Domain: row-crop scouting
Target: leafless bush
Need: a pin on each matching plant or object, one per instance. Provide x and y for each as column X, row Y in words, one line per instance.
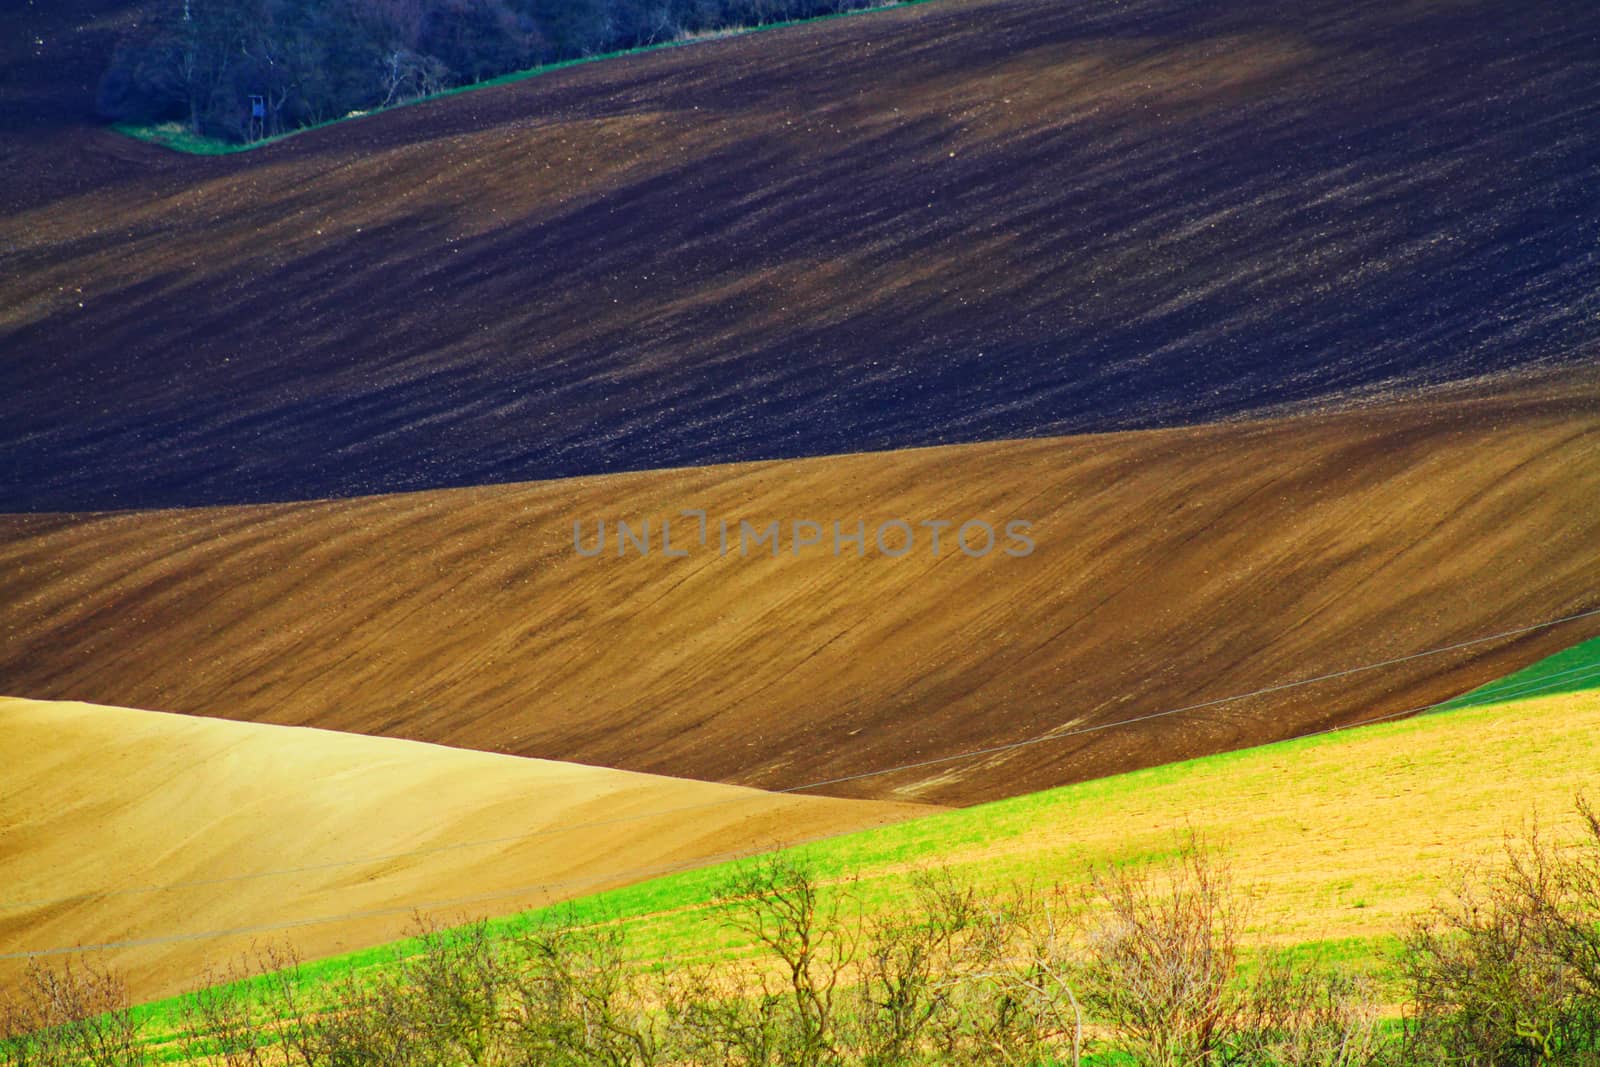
column 1144, row 966
column 786, row 912
column 715, row 1017
column 1004, row 977
column 580, row 1002
column 1162, row 957
column 1508, row 971
column 904, row 992
column 457, row 988
column 1160, row 973
column 292, row 1016
column 373, row 1026
column 1298, row 1015
column 77, row 1015
column 954, row 977
column 447, row 1003
column 227, row 1023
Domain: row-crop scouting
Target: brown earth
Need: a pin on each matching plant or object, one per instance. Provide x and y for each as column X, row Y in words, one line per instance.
column 1172, row 567
column 951, row 222
column 146, row 831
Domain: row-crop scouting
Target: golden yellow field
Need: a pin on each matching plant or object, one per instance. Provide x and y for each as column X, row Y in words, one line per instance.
column 1340, row 837
column 143, row 830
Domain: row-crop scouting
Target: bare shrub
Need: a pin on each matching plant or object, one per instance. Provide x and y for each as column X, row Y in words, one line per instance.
column 1508, row 970
column 445, row 1004
column 1006, row 982
column 783, row 909
column 714, row 1017
column 580, row 1002
column 292, row 1015
column 1296, row 1015
column 1144, row 964
column 1162, row 957
column 952, row 978
column 77, row 1015
column 903, row 989
column 373, row 1025
column 1160, row 974
column 225, row 1023
column 456, row 989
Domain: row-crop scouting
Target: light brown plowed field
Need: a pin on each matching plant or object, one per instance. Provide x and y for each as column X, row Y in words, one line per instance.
column 100, row 804
column 1171, row 567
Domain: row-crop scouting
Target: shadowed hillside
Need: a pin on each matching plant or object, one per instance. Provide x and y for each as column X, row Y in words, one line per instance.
column 51, row 57
column 1171, row 567
column 946, row 223
column 128, row 826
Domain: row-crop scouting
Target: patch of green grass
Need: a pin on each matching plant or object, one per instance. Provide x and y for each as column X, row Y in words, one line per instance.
column 1574, row 671
column 180, row 138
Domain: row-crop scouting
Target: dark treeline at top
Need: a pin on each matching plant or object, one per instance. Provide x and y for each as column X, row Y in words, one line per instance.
column 200, row 61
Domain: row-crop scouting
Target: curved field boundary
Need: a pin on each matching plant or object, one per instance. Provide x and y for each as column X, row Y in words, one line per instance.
column 1337, row 837
column 102, row 802
column 1171, row 568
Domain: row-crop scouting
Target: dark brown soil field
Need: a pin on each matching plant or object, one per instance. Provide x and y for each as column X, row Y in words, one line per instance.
column 948, row 223
column 1172, row 567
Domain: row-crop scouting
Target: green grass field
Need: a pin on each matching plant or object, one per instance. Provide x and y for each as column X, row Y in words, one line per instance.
column 1336, row 838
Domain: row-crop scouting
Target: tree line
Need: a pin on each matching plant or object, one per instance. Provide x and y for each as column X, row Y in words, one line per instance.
column 201, row 62
column 1142, row 967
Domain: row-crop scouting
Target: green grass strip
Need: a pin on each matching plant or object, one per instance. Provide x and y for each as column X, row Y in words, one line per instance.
column 1574, row 671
